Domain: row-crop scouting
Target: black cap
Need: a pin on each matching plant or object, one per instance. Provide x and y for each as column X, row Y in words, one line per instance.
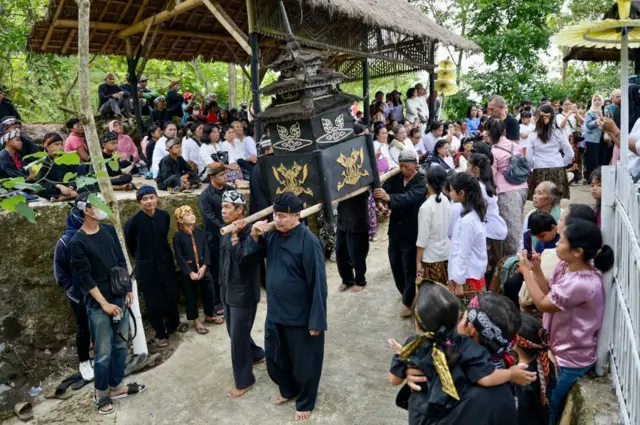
column 287, row 202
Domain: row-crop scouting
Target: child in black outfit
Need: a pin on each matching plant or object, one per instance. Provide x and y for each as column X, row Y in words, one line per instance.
column 454, row 363
column 532, row 348
column 174, row 173
column 192, row 254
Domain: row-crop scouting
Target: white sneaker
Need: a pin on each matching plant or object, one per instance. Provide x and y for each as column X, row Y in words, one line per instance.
column 86, row 370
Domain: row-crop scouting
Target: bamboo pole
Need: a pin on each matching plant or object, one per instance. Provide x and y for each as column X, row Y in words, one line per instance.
column 308, row 211
column 225, row 20
column 159, row 18
column 47, row 37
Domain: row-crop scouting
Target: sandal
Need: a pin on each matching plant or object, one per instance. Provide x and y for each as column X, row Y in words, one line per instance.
column 183, row 327
column 24, row 411
column 161, row 343
column 175, row 190
column 103, row 403
column 218, row 320
column 132, row 389
column 202, row 330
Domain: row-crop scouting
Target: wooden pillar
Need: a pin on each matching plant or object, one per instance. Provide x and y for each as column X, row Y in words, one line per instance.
column 432, row 81
column 365, row 92
column 132, row 78
column 255, row 80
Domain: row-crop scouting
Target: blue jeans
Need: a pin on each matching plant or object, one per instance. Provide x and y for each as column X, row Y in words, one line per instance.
column 566, row 378
column 110, row 351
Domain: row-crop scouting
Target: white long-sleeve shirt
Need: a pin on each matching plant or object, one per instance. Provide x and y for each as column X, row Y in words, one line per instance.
column 383, row 148
column 547, row 155
column 159, row 152
column 468, row 253
column 233, row 151
column 411, row 109
column 456, row 209
column 191, row 152
column 395, row 152
column 434, row 219
column 496, row 226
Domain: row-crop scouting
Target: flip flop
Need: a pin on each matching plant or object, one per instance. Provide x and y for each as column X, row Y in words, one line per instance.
column 24, row 411
column 60, row 394
column 183, row 327
column 79, row 384
column 132, row 389
column 202, row 330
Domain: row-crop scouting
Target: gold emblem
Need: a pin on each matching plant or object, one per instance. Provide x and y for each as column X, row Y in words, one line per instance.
column 288, row 178
column 352, row 165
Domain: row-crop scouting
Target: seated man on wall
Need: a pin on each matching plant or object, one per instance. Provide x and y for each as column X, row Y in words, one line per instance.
column 120, row 176
column 174, row 174
column 10, row 158
column 113, row 99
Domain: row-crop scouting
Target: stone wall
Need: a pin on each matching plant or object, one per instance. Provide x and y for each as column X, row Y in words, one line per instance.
column 34, row 312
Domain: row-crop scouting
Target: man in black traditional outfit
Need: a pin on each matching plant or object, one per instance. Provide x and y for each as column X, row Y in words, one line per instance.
column 296, row 303
column 352, row 242
column 404, row 194
column 146, row 234
column 210, row 204
column 240, row 292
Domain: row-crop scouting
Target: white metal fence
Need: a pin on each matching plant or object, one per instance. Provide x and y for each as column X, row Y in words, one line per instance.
column 620, row 336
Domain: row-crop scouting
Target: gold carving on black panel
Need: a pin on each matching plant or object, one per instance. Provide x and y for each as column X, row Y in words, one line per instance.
column 289, row 181
column 352, row 166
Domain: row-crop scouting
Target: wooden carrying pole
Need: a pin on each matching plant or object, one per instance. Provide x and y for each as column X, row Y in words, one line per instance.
column 308, row 211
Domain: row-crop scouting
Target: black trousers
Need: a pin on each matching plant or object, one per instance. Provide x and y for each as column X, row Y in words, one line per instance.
column 591, row 159
column 121, row 179
column 294, row 362
column 244, row 351
column 83, row 336
column 191, row 289
column 161, row 301
column 215, row 276
column 171, row 181
column 402, row 258
column 351, row 256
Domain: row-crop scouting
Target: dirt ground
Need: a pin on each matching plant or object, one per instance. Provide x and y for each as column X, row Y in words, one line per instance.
column 190, row 387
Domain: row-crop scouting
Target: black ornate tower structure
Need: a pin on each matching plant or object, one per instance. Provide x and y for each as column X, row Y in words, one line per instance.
column 316, row 154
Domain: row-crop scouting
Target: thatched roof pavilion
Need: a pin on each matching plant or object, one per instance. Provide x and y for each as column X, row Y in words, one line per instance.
column 391, row 31
column 363, row 39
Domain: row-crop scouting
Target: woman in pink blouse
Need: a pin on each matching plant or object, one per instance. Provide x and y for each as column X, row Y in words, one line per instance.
column 573, row 302
column 126, row 147
column 511, row 197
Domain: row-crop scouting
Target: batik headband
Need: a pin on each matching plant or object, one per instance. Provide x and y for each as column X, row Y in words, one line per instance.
column 234, row 197
column 486, row 327
column 13, row 134
column 543, row 361
column 438, row 356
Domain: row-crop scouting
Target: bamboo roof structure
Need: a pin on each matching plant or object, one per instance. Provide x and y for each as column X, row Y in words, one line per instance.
column 394, row 34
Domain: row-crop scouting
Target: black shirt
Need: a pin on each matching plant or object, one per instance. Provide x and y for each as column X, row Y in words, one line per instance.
column 258, row 196
column 8, row 110
column 530, row 408
column 106, row 92
column 513, row 128
column 353, row 214
column 173, row 167
column 186, row 256
column 405, row 203
column 52, row 174
column 160, row 117
column 210, row 204
column 92, row 258
column 147, row 241
column 239, row 273
column 8, row 168
column 148, row 152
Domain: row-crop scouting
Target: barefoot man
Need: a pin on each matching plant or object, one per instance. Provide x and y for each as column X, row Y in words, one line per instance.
column 240, row 292
column 296, row 304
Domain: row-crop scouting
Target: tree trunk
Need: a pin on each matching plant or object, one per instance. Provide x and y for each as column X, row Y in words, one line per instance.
column 232, row 86
column 91, row 134
column 196, row 67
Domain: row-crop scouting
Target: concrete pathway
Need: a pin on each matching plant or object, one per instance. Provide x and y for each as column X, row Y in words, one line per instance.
column 190, row 387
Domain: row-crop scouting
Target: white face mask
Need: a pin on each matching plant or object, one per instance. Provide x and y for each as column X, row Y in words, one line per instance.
column 100, row 215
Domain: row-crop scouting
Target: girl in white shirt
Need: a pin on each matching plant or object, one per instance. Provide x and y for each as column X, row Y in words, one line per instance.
column 544, row 156
column 496, row 228
column 400, row 142
column 234, row 173
column 468, row 252
column 191, row 146
column 169, row 131
column 434, row 219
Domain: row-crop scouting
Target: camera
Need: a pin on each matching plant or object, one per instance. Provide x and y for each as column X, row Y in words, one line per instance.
column 474, row 136
column 222, row 157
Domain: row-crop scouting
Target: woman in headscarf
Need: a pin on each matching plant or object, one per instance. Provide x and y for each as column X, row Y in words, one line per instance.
column 126, row 147
column 592, row 135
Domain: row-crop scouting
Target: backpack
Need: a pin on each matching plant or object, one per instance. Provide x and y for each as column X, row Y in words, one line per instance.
column 518, row 171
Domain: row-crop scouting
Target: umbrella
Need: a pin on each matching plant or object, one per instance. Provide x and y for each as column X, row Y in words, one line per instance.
column 445, row 74
column 446, row 87
column 609, row 33
column 446, row 65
